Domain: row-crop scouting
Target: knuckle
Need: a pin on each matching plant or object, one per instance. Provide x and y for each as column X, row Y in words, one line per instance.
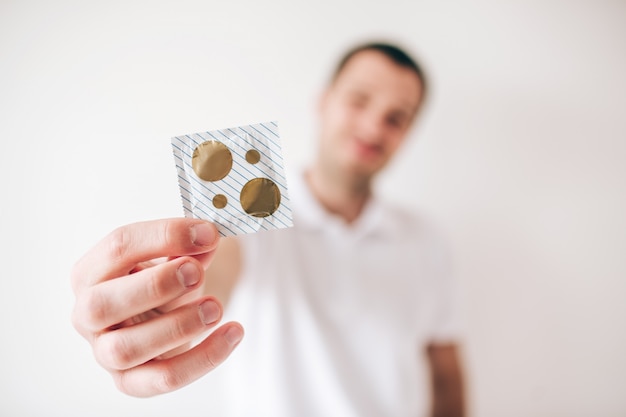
column 180, row 329
column 156, row 286
column 90, row 310
column 113, row 352
column 119, row 242
column 169, row 233
column 175, row 235
column 125, row 383
column 168, row 380
column 121, row 382
column 210, row 360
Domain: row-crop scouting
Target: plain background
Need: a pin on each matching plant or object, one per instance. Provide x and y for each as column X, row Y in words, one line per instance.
column 519, row 156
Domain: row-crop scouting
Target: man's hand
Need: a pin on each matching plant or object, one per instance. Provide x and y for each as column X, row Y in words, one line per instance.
column 139, row 304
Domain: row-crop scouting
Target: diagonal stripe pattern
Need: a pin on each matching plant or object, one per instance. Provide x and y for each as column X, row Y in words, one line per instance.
column 198, row 195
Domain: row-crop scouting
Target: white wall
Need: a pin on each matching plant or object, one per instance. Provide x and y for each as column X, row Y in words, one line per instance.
column 520, row 156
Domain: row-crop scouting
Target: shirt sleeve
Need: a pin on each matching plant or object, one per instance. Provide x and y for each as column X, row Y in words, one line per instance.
column 445, row 325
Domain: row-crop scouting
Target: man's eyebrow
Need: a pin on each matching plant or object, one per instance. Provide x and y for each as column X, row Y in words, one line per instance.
column 357, row 92
column 358, row 88
column 361, row 89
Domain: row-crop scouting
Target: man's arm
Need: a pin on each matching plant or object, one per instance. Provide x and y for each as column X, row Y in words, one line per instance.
column 446, row 380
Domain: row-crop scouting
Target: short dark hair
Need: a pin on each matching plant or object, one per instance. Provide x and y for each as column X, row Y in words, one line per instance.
column 393, row 52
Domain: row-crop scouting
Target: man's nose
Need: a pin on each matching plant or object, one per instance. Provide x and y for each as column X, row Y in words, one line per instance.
column 372, row 127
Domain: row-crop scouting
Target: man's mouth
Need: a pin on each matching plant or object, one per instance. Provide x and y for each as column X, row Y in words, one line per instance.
column 367, row 150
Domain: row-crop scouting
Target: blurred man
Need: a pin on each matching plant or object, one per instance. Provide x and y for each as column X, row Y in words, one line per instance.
column 345, row 313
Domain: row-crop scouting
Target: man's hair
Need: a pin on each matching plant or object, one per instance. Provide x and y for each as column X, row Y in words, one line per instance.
column 393, row 52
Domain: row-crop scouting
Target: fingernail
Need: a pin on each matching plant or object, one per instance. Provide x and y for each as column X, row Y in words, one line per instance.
column 209, row 312
column 203, row 234
column 188, row 274
column 233, row 335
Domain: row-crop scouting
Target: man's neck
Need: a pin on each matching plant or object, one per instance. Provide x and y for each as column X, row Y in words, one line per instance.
column 344, row 196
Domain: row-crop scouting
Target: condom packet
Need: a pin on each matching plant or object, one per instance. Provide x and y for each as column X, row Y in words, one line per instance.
column 234, row 177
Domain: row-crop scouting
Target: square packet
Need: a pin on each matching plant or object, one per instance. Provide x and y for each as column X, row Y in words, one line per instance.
column 235, row 178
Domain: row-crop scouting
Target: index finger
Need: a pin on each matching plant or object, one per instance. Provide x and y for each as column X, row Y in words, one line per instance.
column 120, row 251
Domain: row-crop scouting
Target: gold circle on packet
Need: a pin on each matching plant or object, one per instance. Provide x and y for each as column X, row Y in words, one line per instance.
column 211, row 160
column 220, row 201
column 253, row 156
column 260, row 197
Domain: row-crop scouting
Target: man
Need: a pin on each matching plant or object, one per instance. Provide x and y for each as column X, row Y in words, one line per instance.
column 340, row 311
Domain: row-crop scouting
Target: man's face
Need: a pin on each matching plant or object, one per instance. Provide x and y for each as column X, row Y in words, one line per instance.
column 366, row 113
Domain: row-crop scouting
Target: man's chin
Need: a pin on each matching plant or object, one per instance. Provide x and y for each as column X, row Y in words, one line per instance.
column 362, row 169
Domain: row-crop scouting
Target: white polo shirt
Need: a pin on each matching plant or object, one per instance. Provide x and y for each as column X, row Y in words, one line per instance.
column 337, row 315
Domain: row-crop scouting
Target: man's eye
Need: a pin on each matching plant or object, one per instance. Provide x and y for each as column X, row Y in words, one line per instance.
column 395, row 121
column 357, row 101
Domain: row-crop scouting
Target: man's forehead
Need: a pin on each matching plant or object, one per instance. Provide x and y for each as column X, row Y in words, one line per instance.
column 374, row 71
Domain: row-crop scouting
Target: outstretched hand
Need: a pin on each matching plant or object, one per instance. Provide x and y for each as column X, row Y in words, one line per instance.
column 139, row 303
